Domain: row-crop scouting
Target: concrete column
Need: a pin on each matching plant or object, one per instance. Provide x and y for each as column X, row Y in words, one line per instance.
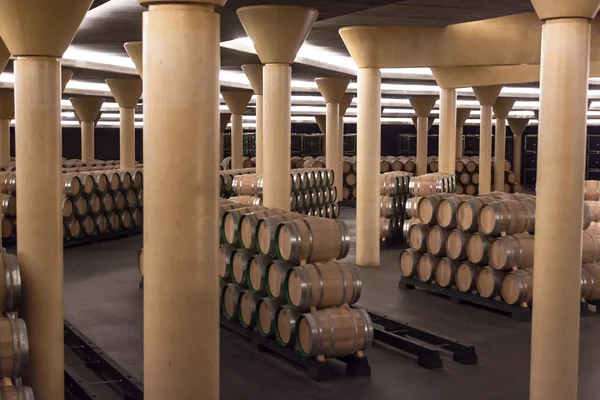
column 333, row 90
column 565, row 59
column 136, row 53
column 87, row 110
column 368, row 153
column 277, row 33
column 502, row 107
column 344, row 105
column 422, row 106
column 254, row 73
column 126, row 92
column 462, row 114
column 486, row 95
column 65, row 77
column 237, row 103
column 37, row 33
column 447, row 135
column 224, row 121
column 7, row 112
column 517, row 126
column 181, row 101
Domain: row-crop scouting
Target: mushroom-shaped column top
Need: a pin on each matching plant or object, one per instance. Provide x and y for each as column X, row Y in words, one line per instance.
column 345, row 103
column 135, row 52
column 487, row 95
column 422, row 104
column 7, row 103
column 321, row 122
column 40, row 27
column 65, row 77
column 460, row 77
column 4, row 55
column 254, row 73
column 237, row 101
column 552, row 9
column 518, row 125
column 148, row 3
column 126, row 91
column 225, row 118
column 332, row 89
column 277, row 31
column 462, row 114
column 87, row 108
column 503, row 105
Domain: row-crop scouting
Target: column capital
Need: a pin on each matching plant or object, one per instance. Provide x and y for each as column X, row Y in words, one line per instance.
column 225, row 118
column 237, row 101
column 126, row 91
column 430, row 121
column 462, row 114
column 345, row 103
column 135, row 52
column 518, row 125
column 332, row 89
column 554, row 9
column 277, row 31
column 422, row 104
column 65, row 77
column 487, row 95
column 321, row 122
column 7, row 103
column 503, row 105
column 87, row 108
column 254, row 73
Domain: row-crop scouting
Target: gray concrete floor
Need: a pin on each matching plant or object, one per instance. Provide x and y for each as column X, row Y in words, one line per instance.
column 102, row 299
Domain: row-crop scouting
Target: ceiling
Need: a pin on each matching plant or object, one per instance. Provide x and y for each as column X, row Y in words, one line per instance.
column 109, row 24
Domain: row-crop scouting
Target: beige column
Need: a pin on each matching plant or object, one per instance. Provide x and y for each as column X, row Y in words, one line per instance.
column 462, row 114
column 277, row 33
column 126, row 92
column 501, row 107
column 517, row 126
column 181, row 86
column 447, row 135
column 368, row 154
column 332, row 90
column 344, row 105
column 87, row 110
column 237, row 102
column 224, row 121
column 37, row 33
column 486, row 95
column 565, row 59
column 7, row 112
column 136, row 53
column 254, row 73
column 65, row 77
column 422, row 106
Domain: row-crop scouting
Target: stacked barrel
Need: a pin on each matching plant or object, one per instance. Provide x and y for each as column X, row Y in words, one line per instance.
column 98, row 199
column 394, row 195
column 312, row 191
column 280, row 275
column 484, row 245
column 467, row 176
column 14, row 343
column 247, row 163
column 226, row 180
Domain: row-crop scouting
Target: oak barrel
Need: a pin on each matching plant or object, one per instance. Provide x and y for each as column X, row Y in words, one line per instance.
column 14, row 347
column 8, row 203
column 467, row 214
column 230, row 296
column 71, row 184
column 247, row 308
column 447, row 209
column 445, row 272
column 287, row 317
column 87, row 183
column 266, row 309
column 409, row 260
column 72, row 228
column 227, row 254
column 257, row 273
column 80, row 206
column 67, row 207
column 508, row 216
column 10, row 289
column 427, row 208
column 88, row 226
column 456, row 245
column 466, row 276
column 247, row 226
column 417, row 237
column 426, row 267
column 517, row 286
column 114, row 221
column 590, row 282
column 108, row 202
column 240, row 265
column 436, row 241
column 266, row 229
column 489, row 282
column 230, row 223
column 94, row 203
column 511, row 251
column 478, row 248
column 276, row 273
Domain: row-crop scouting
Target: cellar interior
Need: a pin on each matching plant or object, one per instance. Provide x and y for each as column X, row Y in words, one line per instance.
column 219, row 199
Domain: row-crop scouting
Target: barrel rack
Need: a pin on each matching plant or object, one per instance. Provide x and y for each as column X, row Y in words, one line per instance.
column 315, row 369
column 90, row 374
column 92, row 239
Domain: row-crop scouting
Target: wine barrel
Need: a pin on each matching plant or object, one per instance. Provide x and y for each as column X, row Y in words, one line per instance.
column 592, row 190
column 384, row 166
column 475, row 178
column 126, row 220
column 71, row 184
column 101, row 223
column 80, row 206
column 456, row 245
column 266, row 229
column 517, row 286
column 108, row 202
column 141, row 261
column 460, row 189
column 248, row 185
column 477, row 248
column 67, row 207
column 137, row 178
column 587, row 215
column 16, row 393
column 467, row 214
column 411, row 206
column 126, row 180
column 447, row 209
column 137, row 218
column 276, row 273
column 511, row 251
column 226, row 205
column 8, row 203
column 385, row 228
column 87, row 183
column 227, row 253
column 266, row 309
column 230, row 297
column 10, row 289
column 470, row 190
column 427, row 208
column 509, row 216
column 247, row 308
column 119, row 201
column 9, row 183
column 436, row 241
column 88, row 226
column 445, row 272
column 130, row 199
column 230, row 223
column 247, row 200
column 409, row 260
column 257, row 273
column 417, row 237
column 426, row 267
column 94, row 203
column 8, row 227
column 287, row 317
column 114, row 180
column 334, row 332
column 239, row 267
column 322, row 285
column 350, row 179
column 14, row 347
column 590, row 247
column 409, row 164
column 72, row 227
column 489, row 282
column 466, row 276
column 313, row 163
column 114, row 221
column 464, row 178
column 590, row 282
column 312, row 239
column 459, row 166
